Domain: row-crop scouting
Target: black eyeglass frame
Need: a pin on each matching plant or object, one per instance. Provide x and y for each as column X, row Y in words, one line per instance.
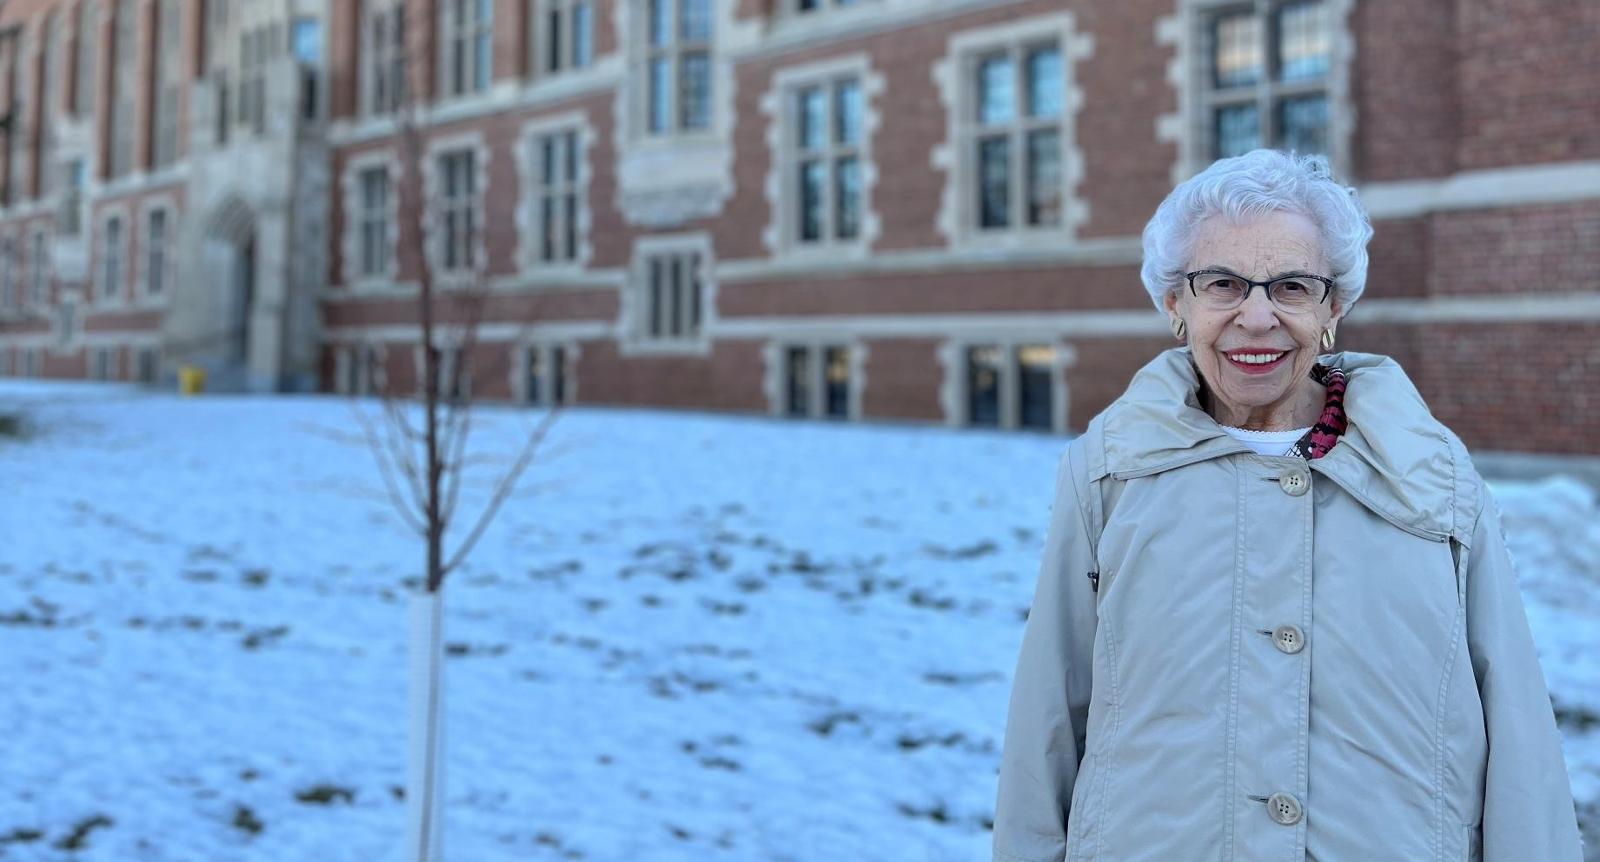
column 1327, row 283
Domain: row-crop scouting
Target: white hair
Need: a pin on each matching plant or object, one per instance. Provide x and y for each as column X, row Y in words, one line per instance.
column 1248, row 187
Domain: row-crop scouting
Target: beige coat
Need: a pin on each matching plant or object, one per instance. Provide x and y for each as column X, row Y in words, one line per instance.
column 1284, row 660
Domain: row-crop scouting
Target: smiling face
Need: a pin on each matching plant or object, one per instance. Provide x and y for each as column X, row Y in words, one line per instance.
column 1256, row 359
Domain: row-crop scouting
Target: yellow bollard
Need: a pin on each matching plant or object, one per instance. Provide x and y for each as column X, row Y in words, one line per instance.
column 191, row 380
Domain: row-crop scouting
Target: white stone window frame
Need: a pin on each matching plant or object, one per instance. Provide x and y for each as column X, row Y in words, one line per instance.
column 775, row 382
column 367, row 361
column 112, row 295
column 471, row 37
column 538, row 30
column 529, row 168
column 1188, row 33
column 674, row 51
column 169, row 279
column 354, row 218
column 954, row 396
column 40, row 266
column 433, row 222
column 953, row 77
column 382, row 61
column 633, row 335
column 546, row 348
column 451, row 352
column 781, row 235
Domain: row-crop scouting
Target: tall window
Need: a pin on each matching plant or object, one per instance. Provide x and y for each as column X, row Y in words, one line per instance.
column 457, row 225
column 123, row 60
column 9, row 295
column 561, row 34
column 17, row 138
column 1266, row 81
column 103, row 363
column 465, row 39
column 38, row 267
column 49, row 105
column 557, row 196
column 69, row 220
column 157, row 247
column 1015, row 139
column 111, row 259
column 672, row 296
column 255, row 50
column 85, row 46
column 168, row 51
column 816, row 381
column 374, row 238
column 678, row 66
column 384, row 33
column 1010, row 386
column 826, row 175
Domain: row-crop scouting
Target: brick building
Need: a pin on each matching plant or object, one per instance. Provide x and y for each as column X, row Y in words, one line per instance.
column 899, row 209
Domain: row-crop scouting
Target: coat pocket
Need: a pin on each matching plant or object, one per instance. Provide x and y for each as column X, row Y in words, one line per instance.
column 1081, row 812
column 1472, row 843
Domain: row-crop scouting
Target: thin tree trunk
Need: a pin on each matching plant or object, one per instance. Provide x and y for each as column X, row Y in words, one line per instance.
column 425, row 776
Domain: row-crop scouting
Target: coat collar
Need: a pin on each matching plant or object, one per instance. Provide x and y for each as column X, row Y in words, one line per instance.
column 1395, row 457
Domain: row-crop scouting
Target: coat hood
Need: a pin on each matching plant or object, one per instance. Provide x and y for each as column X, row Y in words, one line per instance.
column 1394, row 457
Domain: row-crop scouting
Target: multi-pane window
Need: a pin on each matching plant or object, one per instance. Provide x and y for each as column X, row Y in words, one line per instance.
column 38, row 267
column 49, row 104
column 1266, row 80
column 103, row 363
column 255, row 49
column 678, row 66
column 362, row 367
column 9, row 295
column 1015, row 140
column 827, row 147
column 803, row 6
column 157, row 246
column 561, row 33
column 545, row 375
column 458, row 229
column 1010, row 386
column 557, row 196
column 374, row 238
column 85, row 46
column 69, row 220
column 465, row 28
column 168, row 51
column 32, row 362
column 148, row 365
column 816, row 381
column 672, row 296
column 111, row 249
column 123, row 85
column 384, row 32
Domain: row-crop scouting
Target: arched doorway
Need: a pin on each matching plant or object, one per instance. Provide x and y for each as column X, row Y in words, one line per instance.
column 230, row 270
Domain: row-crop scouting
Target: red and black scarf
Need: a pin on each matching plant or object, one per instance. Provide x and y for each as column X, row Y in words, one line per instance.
column 1325, row 434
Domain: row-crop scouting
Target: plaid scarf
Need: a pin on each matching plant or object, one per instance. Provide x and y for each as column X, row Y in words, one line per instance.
column 1325, row 434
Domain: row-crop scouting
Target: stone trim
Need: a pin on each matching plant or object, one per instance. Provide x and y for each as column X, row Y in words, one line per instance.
column 528, row 236
column 952, row 78
column 488, row 333
column 775, row 379
column 953, row 394
column 475, row 141
column 517, row 375
column 350, row 275
column 1562, row 182
column 167, row 204
column 779, row 236
column 630, row 335
column 119, row 297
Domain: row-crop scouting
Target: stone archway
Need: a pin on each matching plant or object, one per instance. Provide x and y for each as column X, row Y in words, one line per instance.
column 230, row 268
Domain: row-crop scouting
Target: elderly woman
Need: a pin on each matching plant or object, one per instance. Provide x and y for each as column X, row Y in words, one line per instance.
column 1276, row 618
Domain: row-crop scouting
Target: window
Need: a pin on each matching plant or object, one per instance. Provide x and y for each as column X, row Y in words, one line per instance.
column 455, row 374
column 254, row 52
column 803, row 6
column 457, row 223
column 147, row 365
column 465, row 38
column 678, row 66
column 49, row 102
column 84, row 52
column 361, row 370
column 672, row 296
column 10, row 297
column 111, row 259
column 826, row 148
column 385, row 67
column 168, row 50
column 103, row 363
column 123, row 60
column 157, row 252
column 32, row 362
column 17, row 152
column 66, row 323
column 816, row 381
column 557, row 197
column 1015, row 141
column 544, row 375
column 1010, row 386
column 1266, row 78
column 38, row 267
column 375, row 239
column 561, row 35
column 69, row 221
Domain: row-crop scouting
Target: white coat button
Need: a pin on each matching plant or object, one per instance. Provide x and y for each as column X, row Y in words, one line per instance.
column 1285, row 809
column 1294, row 482
column 1289, row 639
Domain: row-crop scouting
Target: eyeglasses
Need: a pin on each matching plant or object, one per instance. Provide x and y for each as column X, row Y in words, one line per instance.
column 1222, row 290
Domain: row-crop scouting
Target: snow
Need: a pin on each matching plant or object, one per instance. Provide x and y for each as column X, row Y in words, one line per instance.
column 690, row 637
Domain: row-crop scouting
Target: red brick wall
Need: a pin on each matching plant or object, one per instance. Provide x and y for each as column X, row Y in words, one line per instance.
column 519, row 308
column 1550, row 248
column 903, row 377
column 1405, row 91
column 1058, row 289
column 730, row 379
column 1101, row 371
